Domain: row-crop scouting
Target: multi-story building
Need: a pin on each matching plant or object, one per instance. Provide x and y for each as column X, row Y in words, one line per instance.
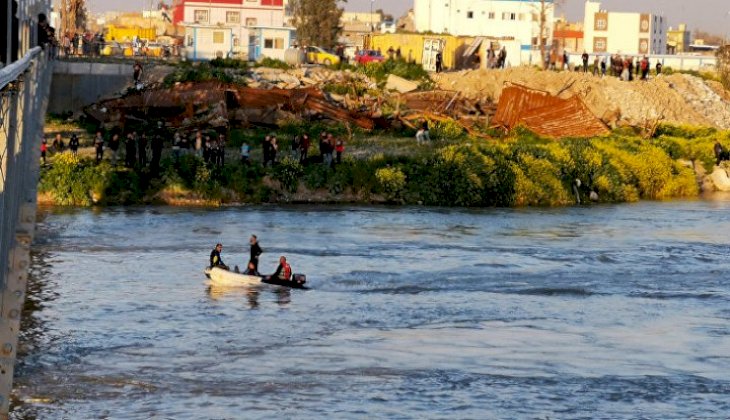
column 519, row 20
column 623, row 33
column 241, row 28
column 678, row 40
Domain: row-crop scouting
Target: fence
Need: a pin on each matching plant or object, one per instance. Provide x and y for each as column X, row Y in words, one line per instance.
column 24, row 87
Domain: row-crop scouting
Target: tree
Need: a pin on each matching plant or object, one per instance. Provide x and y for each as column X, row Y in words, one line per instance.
column 723, row 65
column 542, row 11
column 317, row 21
column 73, row 16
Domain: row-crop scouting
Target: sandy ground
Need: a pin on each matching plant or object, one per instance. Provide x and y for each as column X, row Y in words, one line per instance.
column 677, row 98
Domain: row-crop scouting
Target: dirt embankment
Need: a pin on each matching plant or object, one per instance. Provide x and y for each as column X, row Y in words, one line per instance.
column 676, row 99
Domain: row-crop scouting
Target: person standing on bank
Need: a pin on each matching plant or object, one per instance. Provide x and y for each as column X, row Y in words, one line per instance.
column 99, row 147
column 73, row 144
column 114, row 147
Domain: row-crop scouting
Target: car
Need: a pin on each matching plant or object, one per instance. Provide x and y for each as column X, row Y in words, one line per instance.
column 317, row 55
column 369, row 56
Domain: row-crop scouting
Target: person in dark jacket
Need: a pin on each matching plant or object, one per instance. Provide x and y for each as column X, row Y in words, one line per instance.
column 256, row 252
column 719, row 152
column 73, row 144
column 215, row 257
column 131, row 150
column 99, row 146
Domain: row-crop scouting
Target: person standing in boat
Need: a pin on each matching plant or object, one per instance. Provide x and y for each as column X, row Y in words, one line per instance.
column 256, row 252
column 215, row 258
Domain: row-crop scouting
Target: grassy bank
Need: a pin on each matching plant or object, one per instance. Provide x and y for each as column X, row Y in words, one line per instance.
column 454, row 170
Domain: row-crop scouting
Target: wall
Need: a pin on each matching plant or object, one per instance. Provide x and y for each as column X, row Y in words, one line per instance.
column 675, row 62
column 264, row 15
column 76, row 85
column 204, row 46
column 494, row 18
column 284, row 36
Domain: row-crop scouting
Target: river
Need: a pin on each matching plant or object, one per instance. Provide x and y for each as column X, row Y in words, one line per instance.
column 588, row 312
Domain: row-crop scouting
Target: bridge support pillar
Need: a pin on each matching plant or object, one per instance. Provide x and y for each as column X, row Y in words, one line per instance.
column 13, row 298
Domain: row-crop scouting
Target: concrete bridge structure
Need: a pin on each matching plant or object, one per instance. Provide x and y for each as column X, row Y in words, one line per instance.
column 24, row 84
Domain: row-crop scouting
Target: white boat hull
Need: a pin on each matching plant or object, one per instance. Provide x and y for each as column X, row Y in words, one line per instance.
column 220, row 277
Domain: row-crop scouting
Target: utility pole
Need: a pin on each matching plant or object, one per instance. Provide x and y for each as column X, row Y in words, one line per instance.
column 371, row 15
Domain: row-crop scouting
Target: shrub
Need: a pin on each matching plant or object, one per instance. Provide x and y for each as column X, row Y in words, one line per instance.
column 288, row 172
column 392, row 182
column 273, row 63
column 448, row 130
column 229, row 63
column 401, row 68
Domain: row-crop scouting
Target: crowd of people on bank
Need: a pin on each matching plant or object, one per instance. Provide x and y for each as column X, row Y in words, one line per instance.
column 626, row 68
column 140, row 149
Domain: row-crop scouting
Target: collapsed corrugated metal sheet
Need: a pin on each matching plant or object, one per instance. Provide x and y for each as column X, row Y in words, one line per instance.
column 569, row 118
column 259, row 105
column 545, row 114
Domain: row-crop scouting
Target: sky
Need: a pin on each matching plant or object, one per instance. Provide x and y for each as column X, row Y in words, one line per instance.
column 708, row 15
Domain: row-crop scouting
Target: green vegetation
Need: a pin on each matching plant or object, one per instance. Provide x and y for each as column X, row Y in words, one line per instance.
column 379, row 72
column 204, row 72
column 455, row 170
column 273, row 63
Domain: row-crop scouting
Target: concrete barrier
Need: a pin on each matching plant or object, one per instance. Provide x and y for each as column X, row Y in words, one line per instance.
column 79, row 84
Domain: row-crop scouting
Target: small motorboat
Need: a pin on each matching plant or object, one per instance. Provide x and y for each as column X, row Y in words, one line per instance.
column 226, row 278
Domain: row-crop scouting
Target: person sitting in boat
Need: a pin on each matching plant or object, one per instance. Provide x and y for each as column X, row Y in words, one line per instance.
column 283, row 271
column 251, row 270
column 215, row 258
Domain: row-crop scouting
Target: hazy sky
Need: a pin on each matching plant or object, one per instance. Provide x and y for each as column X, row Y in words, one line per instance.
column 710, row 15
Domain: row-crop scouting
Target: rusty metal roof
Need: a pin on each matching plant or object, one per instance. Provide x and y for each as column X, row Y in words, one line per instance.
column 546, row 115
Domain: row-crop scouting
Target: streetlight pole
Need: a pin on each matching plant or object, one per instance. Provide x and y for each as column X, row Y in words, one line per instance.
column 371, row 15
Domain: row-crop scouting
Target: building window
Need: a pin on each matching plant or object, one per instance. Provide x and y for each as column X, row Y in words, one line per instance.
column 200, row 16
column 601, row 24
column 505, row 15
column 470, row 15
column 512, row 16
column 269, row 43
column 491, row 15
column 535, row 17
column 217, row 37
column 279, row 43
column 522, row 16
column 191, row 41
column 236, row 42
column 251, row 22
column 233, row 17
column 600, row 45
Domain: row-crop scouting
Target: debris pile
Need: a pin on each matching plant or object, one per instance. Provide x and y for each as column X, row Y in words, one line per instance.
column 216, row 104
column 676, row 98
column 552, row 104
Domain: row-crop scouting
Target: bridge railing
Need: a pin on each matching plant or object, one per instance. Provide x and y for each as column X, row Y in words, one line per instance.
column 24, row 87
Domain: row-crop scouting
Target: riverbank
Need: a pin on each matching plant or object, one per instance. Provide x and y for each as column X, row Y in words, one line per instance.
column 453, row 169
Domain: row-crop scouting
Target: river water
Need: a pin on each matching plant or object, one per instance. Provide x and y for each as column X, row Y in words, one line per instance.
column 591, row 312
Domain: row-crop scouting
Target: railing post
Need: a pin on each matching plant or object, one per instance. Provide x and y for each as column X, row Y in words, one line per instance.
column 22, row 110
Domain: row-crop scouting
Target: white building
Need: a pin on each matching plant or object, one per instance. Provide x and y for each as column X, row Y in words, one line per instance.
column 249, row 28
column 623, row 33
column 518, row 19
column 206, row 42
